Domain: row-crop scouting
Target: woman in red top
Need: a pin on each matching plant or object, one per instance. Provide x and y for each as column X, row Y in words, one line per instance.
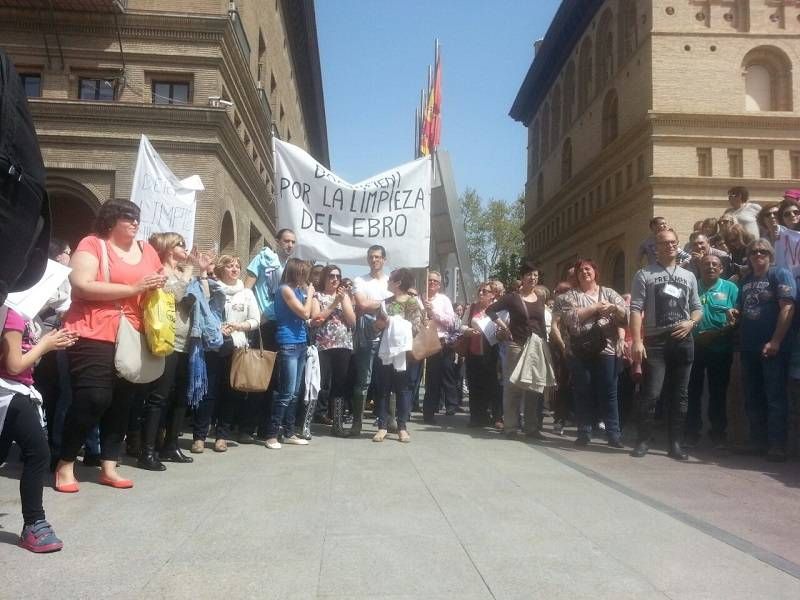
column 484, row 387
column 99, row 396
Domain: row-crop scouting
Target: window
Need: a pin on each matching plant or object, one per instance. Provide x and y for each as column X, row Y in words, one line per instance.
column 628, row 176
column 618, row 271
column 272, row 83
column 704, row 162
column 555, row 124
column 794, row 161
column 32, row 84
column 766, row 163
column 605, row 50
column 618, row 183
column 170, row 92
column 96, row 89
column 585, row 75
column 640, row 168
column 540, row 190
column 610, row 122
column 735, row 162
column 566, row 161
column 545, row 131
column 569, row 97
column 767, row 80
column 607, row 191
column 627, row 32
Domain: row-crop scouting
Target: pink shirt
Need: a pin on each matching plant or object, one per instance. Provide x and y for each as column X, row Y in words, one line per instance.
column 443, row 314
column 16, row 322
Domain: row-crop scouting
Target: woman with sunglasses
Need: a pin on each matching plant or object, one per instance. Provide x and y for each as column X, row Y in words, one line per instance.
column 98, row 394
column 789, row 215
column 485, row 391
column 166, row 401
column 743, row 211
column 769, row 221
column 766, row 303
column 332, row 320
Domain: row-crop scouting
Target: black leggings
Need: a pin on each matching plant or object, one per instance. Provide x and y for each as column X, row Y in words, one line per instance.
column 98, row 396
column 333, row 366
column 24, row 426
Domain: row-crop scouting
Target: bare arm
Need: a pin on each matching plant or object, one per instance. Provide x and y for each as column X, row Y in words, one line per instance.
column 555, row 333
column 85, row 286
column 637, row 347
column 347, row 311
column 11, row 348
column 302, row 310
column 365, row 304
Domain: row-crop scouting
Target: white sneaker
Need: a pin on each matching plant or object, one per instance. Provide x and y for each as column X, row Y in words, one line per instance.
column 276, row 445
column 295, row 441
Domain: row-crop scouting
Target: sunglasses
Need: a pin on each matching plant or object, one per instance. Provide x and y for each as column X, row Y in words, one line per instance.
column 334, row 276
column 759, row 252
column 791, row 213
column 669, row 243
column 129, row 216
column 772, row 213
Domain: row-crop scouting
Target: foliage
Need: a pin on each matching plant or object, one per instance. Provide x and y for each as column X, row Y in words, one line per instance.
column 494, row 235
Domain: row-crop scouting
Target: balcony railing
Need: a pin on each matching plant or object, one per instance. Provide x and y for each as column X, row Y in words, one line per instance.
column 262, row 96
column 238, row 29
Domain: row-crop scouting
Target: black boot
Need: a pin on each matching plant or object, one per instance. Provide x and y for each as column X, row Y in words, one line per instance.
column 170, row 451
column 677, row 452
column 358, row 410
column 133, row 443
column 151, row 421
column 337, row 427
column 641, row 449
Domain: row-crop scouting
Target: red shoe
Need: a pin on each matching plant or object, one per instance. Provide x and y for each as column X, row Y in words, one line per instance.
column 120, row 484
column 67, row 488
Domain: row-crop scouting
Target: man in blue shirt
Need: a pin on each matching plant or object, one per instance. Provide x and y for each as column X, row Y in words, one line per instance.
column 713, row 351
column 264, row 276
column 766, row 303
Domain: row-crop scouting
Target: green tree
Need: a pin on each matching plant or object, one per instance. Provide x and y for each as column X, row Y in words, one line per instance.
column 494, row 235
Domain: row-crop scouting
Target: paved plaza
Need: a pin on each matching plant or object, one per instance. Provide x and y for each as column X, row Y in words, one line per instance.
column 458, row 513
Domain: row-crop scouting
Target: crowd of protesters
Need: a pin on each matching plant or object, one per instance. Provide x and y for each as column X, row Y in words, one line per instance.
column 583, row 351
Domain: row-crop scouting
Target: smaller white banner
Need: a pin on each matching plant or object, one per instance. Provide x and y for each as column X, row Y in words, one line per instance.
column 29, row 302
column 167, row 203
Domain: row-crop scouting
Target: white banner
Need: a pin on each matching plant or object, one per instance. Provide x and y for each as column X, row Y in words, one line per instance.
column 167, row 203
column 787, row 248
column 336, row 221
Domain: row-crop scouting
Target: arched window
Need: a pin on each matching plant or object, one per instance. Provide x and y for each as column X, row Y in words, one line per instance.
column 585, row 75
column 767, row 80
column 545, row 131
column 610, row 125
column 605, row 50
column 540, row 190
column 627, row 30
column 568, row 108
column 555, row 123
column 533, row 149
column 566, row 161
column 226, row 235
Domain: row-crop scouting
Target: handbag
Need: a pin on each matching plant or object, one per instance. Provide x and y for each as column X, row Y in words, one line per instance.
column 590, row 343
column 251, row 369
column 132, row 357
column 159, row 322
column 426, row 343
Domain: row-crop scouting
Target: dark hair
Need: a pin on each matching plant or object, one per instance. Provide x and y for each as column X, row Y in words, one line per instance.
column 57, row 246
column 323, row 278
column 761, row 219
column 587, row 261
column 111, row 212
column 376, row 247
column 785, row 203
column 526, row 268
column 739, row 190
column 280, row 233
column 295, row 272
column 654, row 219
column 403, row 277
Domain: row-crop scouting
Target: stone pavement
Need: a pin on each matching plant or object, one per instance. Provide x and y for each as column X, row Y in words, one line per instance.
column 458, row 513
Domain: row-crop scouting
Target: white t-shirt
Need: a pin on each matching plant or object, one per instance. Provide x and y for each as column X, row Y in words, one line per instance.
column 746, row 215
column 374, row 289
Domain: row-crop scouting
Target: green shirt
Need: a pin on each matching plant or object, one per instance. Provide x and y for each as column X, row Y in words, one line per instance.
column 717, row 301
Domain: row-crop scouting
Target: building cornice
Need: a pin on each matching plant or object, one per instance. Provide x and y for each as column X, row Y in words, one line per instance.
column 766, row 120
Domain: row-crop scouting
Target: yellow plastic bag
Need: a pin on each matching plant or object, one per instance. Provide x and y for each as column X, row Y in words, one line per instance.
column 159, row 322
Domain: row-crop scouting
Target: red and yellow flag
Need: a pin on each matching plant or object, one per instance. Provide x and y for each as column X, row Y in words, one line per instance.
column 431, row 128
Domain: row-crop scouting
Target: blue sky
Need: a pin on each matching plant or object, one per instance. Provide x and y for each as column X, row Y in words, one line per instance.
column 375, row 55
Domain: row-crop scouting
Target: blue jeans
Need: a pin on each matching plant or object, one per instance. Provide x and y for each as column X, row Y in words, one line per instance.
column 765, row 397
column 291, row 366
column 595, row 382
column 363, row 357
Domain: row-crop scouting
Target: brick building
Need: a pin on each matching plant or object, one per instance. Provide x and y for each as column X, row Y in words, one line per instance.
column 636, row 108
column 208, row 81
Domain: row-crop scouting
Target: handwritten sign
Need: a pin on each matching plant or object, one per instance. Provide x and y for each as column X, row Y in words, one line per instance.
column 787, row 248
column 336, row 221
column 166, row 203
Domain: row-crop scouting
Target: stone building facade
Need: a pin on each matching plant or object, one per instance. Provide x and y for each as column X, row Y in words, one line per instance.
column 208, row 81
column 637, row 108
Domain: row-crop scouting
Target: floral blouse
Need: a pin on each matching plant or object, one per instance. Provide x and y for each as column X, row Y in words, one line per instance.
column 410, row 310
column 334, row 332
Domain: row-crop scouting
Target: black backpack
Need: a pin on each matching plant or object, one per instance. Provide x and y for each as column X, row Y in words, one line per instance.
column 24, row 207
